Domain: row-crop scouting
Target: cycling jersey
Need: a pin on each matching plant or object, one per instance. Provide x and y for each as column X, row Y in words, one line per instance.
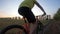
column 27, row 3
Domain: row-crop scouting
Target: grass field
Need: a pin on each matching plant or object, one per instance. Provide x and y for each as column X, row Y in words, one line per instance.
column 4, row 22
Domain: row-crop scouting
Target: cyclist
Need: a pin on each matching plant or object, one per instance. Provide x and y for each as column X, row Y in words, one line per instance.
column 25, row 10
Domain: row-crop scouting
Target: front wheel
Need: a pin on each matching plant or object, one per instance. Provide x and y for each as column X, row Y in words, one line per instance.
column 23, row 31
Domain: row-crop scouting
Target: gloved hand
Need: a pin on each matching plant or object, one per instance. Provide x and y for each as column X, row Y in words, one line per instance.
column 44, row 14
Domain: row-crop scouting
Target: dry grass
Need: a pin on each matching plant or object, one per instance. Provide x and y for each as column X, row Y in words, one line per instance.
column 4, row 22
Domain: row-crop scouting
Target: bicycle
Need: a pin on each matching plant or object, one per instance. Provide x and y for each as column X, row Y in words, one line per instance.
column 40, row 26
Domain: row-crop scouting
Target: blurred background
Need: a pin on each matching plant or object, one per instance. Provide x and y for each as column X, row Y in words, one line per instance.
column 9, row 12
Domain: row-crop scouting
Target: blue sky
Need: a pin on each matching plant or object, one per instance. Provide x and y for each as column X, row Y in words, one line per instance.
column 9, row 8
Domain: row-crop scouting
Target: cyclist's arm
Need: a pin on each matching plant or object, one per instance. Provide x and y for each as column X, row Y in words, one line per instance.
column 39, row 6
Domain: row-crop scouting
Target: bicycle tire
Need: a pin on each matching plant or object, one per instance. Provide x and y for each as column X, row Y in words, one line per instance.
column 11, row 27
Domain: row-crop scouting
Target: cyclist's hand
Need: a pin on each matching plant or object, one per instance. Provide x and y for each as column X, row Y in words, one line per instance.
column 44, row 14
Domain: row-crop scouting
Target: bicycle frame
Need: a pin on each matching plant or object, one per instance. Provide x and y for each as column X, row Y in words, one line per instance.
column 26, row 26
